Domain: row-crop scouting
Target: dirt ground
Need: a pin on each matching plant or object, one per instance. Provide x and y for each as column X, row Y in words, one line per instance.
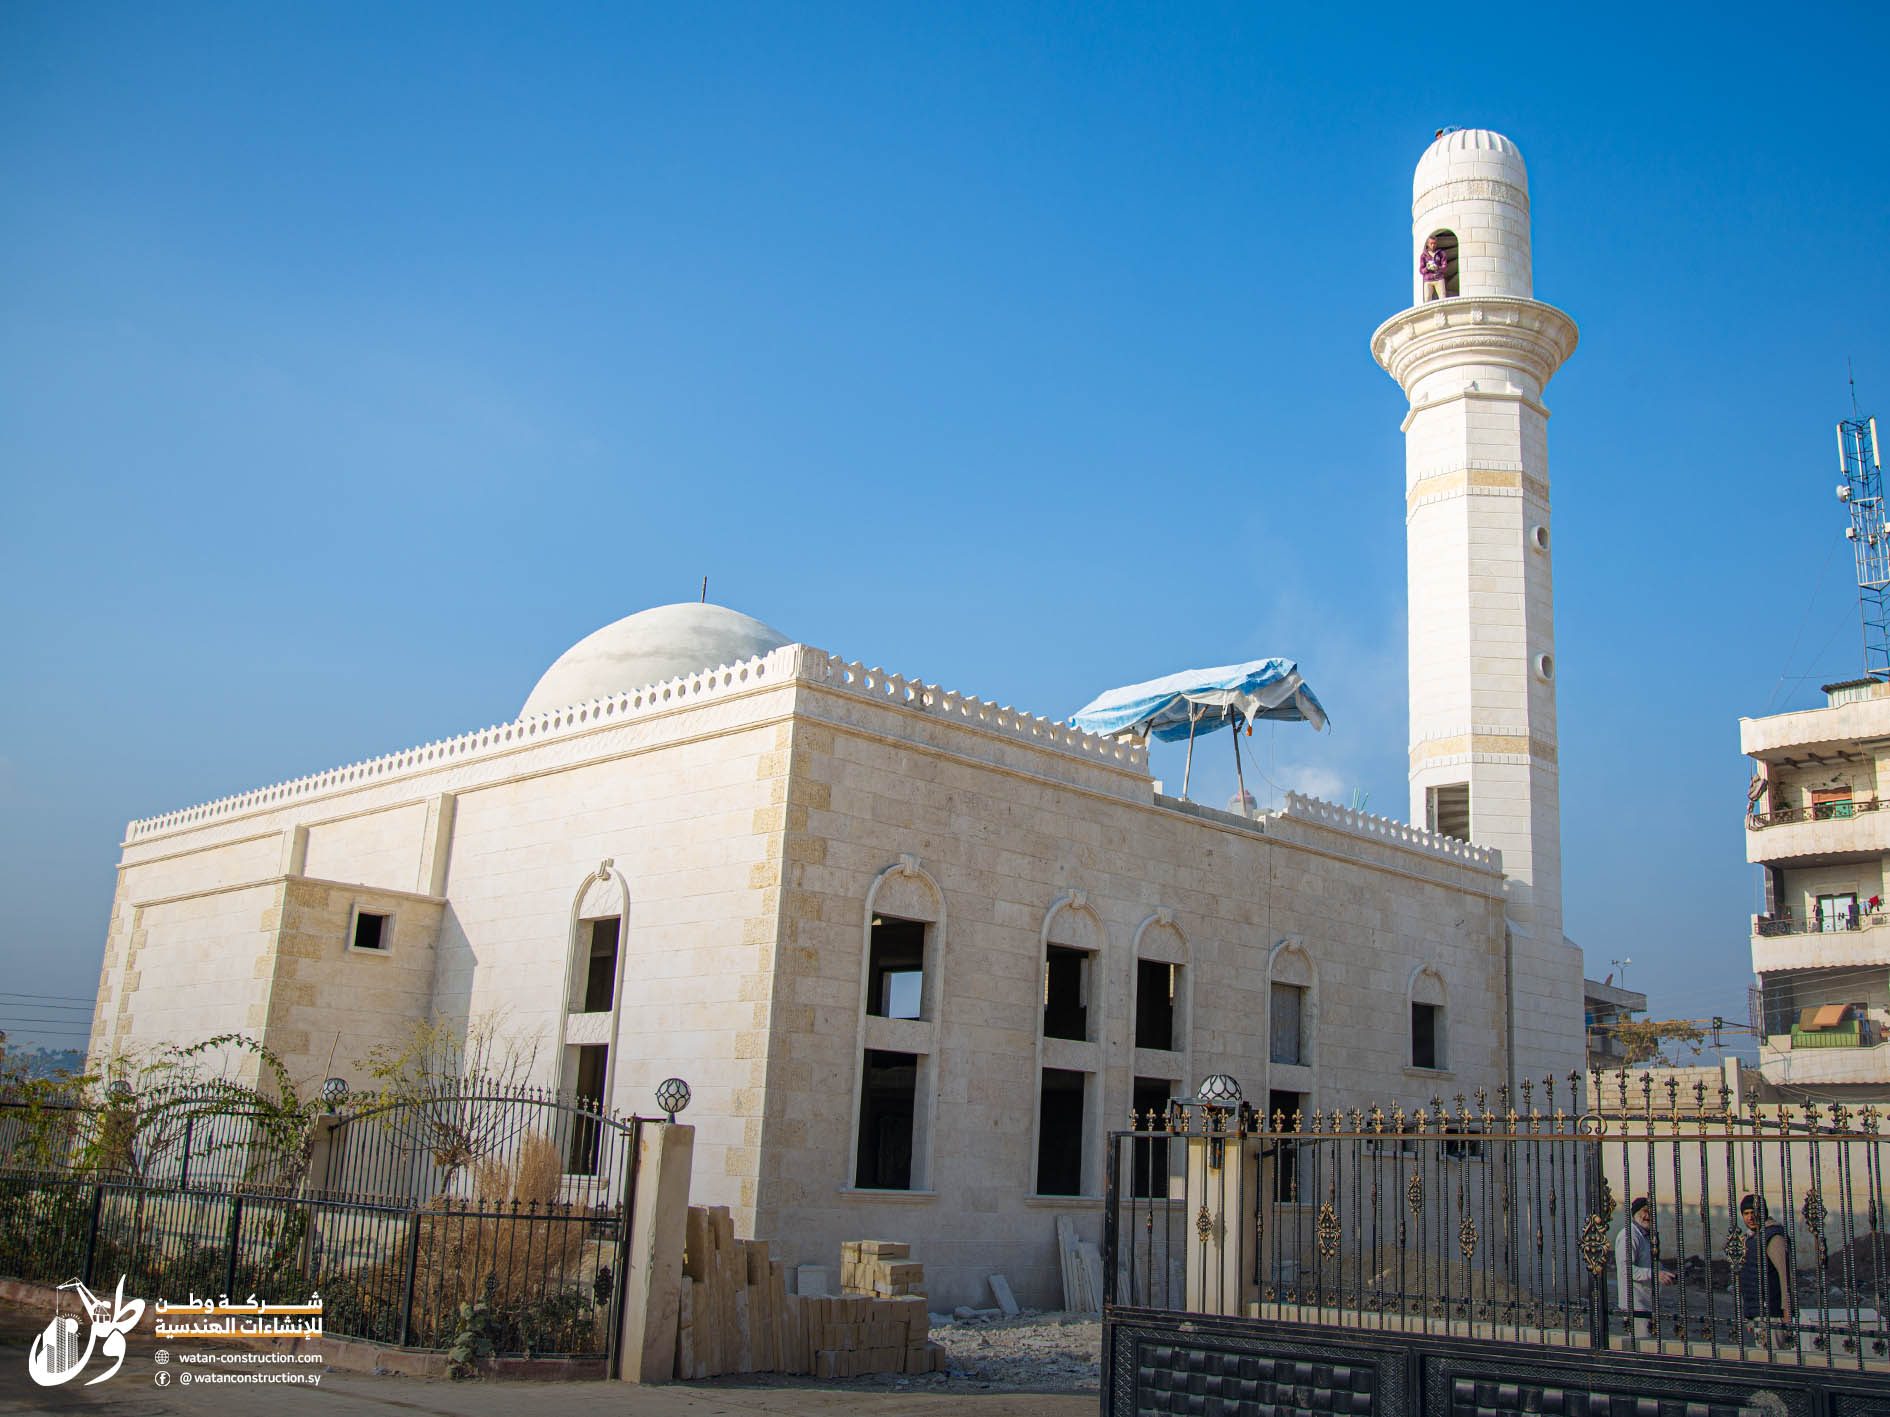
column 990, row 1363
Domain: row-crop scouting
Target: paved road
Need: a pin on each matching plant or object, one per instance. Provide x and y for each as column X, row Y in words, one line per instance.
column 136, row 1392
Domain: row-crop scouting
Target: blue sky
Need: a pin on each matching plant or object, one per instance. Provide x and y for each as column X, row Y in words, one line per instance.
column 359, row 358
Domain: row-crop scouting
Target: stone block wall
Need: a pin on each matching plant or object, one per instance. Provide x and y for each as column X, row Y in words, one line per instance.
column 328, row 1003
column 1011, row 856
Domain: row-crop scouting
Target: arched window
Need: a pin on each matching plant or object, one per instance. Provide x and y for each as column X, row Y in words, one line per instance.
column 900, row 1005
column 1447, row 247
column 594, row 963
column 1069, row 1049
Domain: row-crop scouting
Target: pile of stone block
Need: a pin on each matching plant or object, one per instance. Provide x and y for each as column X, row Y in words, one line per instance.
column 735, row 1315
column 884, row 1269
column 854, row 1335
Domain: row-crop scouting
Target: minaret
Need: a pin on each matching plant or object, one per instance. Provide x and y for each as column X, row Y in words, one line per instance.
column 1481, row 607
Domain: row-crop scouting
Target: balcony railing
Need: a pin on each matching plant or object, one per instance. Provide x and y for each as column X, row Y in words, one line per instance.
column 1812, row 812
column 1854, row 1034
column 1856, row 918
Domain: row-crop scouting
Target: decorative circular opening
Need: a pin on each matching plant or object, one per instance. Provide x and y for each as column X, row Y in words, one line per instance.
column 1545, row 667
column 1539, row 537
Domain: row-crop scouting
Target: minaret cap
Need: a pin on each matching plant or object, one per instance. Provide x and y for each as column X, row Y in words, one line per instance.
column 1469, row 154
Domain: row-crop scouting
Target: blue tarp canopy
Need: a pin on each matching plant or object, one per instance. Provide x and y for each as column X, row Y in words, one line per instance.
column 1206, row 698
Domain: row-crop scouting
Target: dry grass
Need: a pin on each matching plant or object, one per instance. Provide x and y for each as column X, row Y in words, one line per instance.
column 536, row 1248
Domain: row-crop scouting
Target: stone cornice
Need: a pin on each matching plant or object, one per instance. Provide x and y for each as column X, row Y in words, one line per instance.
column 1510, row 333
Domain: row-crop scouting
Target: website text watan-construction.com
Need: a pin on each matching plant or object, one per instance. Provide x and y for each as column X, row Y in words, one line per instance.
column 250, row 1358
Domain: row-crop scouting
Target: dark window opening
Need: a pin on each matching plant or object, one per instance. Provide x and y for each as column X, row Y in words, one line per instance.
column 1157, row 986
column 1427, row 1036
column 1065, row 994
column 895, row 979
column 581, row 1157
column 1284, row 1033
column 1447, row 244
column 370, row 931
column 889, row 1091
column 1282, row 1107
column 1457, row 1143
column 600, row 984
column 1148, row 1162
column 1448, row 808
column 1060, row 1133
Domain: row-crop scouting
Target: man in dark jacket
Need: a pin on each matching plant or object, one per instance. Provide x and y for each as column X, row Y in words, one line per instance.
column 1765, row 1271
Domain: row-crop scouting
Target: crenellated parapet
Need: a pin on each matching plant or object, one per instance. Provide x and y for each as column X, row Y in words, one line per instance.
column 785, row 666
column 1299, row 808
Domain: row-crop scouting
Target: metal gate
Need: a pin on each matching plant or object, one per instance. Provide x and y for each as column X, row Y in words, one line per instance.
column 506, row 1209
column 1597, row 1247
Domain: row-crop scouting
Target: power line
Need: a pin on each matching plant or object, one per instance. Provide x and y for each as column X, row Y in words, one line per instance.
column 23, row 1019
column 16, row 994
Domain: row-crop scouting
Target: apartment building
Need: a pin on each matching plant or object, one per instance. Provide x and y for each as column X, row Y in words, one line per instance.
column 1821, row 942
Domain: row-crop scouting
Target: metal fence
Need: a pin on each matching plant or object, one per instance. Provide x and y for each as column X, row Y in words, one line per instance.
column 499, row 1212
column 1511, row 1219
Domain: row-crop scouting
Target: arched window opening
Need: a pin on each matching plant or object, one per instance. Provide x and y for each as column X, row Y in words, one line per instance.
column 1437, row 265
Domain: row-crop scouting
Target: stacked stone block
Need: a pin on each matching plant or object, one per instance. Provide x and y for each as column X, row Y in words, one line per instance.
column 735, row 1315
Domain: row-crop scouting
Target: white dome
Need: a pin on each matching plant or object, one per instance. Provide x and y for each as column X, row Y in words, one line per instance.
column 1469, row 153
column 648, row 648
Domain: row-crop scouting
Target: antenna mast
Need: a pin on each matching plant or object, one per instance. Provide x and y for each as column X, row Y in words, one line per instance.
column 1860, row 464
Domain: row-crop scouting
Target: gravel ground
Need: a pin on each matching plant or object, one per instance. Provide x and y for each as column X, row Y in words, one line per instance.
column 1034, row 1352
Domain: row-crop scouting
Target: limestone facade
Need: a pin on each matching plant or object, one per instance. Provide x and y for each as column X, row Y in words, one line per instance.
column 746, row 826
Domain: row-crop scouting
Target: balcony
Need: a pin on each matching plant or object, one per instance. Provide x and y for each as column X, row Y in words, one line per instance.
column 1854, row 938
column 1808, row 1064
column 1853, row 830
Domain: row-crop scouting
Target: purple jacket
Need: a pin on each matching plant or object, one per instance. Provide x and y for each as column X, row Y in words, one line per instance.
column 1432, row 264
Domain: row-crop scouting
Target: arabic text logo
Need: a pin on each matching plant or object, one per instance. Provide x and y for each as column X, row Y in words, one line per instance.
column 56, row 1356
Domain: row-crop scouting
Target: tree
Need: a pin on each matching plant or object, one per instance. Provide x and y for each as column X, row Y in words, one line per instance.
column 444, row 1091
column 1642, row 1039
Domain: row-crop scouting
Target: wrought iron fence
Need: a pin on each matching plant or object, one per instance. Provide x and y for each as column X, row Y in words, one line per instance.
column 416, row 1219
column 1514, row 1219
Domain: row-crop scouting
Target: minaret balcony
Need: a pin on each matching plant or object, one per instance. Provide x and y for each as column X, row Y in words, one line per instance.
column 1503, row 330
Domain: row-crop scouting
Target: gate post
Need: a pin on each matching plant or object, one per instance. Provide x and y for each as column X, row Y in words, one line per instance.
column 1223, row 1180
column 652, row 1255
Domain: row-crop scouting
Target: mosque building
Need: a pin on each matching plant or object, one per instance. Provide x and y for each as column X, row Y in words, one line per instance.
column 917, row 953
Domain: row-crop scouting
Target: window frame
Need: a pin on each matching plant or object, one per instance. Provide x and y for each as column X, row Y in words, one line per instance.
column 381, row 951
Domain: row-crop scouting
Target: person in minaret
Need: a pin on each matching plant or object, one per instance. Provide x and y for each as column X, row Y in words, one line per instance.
column 1431, row 264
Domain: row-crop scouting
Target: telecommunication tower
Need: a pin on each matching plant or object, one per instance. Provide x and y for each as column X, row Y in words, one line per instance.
column 1860, row 464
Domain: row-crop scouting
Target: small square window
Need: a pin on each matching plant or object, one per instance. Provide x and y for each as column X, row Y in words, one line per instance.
column 372, row 931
